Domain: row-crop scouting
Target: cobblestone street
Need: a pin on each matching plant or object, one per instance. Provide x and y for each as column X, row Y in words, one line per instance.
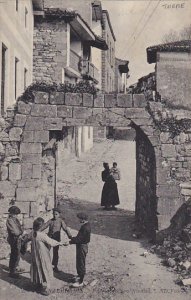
column 116, row 266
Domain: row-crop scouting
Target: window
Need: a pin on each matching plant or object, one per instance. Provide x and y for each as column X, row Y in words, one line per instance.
column 26, row 16
column 17, row 4
column 16, row 74
column 25, row 78
column 3, row 78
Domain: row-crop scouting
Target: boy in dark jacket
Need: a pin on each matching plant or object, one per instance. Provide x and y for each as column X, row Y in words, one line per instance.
column 55, row 224
column 15, row 232
column 81, row 240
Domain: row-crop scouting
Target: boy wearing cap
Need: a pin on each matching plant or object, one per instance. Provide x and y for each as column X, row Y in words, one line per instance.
column 15, row 232
column 81, row 240
column 55, row 224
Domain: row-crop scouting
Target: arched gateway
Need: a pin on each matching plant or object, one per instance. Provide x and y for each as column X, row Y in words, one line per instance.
column 28, row 162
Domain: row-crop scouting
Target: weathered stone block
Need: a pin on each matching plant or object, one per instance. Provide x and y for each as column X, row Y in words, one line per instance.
column 110, row 100
column 4, row 173
column 154, row 140
column 136, row 113
column 36, row 171
column 124, row 100
column 15, row 134
column 7, row 188
column 26, row 194
column 53, row 123
column 11, row 149
column 26, row 171
column 14, row 172
column 34, row 123
column 20, row 120
column 41, row 97
column 30, row 148
column 82, row 112
column 165, row 138
column 4, row 137
column 31, row 158
column 143, row 122
column 139, row 100
column 29, row 183
column 168, row 191
column 28, row 223
column 10, row 112
column 41, row 110
column 168, row 150
column 33, row 209
column 73, row 99
column 187, row 149
column 24, row 108
column 28, row 136
column 148, row 130
column 88, row 100
column 65, row 111
column 41, row 136
column 24, row 207
column 99, row 100
column 2, row 149
column 75, row 122
column 97, row 111
column 57, row 98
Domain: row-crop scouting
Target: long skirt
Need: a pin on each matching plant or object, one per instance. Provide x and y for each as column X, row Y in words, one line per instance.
column 110, row 194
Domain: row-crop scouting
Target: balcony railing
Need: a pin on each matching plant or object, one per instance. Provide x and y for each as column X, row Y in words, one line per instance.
column 85, row 67
column 89, row 70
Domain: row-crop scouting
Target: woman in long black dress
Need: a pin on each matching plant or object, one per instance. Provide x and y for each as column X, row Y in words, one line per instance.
column 109, row 195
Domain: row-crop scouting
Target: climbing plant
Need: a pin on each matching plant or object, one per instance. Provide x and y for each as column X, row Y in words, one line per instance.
column 170, row 123
column 83, row 86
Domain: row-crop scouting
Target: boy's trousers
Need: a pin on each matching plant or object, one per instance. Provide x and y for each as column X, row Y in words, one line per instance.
column 81, row 252
column 15, row 254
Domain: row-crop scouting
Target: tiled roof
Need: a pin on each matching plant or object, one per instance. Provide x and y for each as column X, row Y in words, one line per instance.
column 179, row 46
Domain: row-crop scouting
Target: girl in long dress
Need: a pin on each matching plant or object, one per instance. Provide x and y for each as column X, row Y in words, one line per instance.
column 41, row 268
column 109, row 195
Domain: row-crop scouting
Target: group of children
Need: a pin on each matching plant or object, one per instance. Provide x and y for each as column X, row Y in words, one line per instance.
column 41, row 270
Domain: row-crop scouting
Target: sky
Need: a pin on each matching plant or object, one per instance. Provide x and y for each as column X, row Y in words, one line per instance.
column 139, row 24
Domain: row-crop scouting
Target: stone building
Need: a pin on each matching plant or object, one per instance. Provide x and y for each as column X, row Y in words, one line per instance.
column 16, row 47
column 173, row 71
column 121, row 75
column 63, row 43
column 62, row 53
column 108, row 57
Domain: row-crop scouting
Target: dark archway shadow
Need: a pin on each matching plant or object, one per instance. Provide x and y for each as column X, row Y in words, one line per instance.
column 118, row 224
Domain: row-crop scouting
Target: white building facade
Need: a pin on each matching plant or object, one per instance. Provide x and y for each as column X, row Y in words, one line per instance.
column 16, row 48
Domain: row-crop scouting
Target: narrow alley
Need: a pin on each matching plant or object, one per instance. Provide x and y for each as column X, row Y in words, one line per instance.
column 80, row 178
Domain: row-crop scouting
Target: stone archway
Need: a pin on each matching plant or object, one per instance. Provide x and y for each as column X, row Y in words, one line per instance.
column 27, row 149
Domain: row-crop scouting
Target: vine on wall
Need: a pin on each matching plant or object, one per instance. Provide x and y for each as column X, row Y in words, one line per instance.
column 169, row 123
column 83, row 86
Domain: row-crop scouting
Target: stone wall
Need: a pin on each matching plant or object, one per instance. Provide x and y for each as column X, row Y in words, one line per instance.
column 27, row 148
column 173, row 77
column 49, row 50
